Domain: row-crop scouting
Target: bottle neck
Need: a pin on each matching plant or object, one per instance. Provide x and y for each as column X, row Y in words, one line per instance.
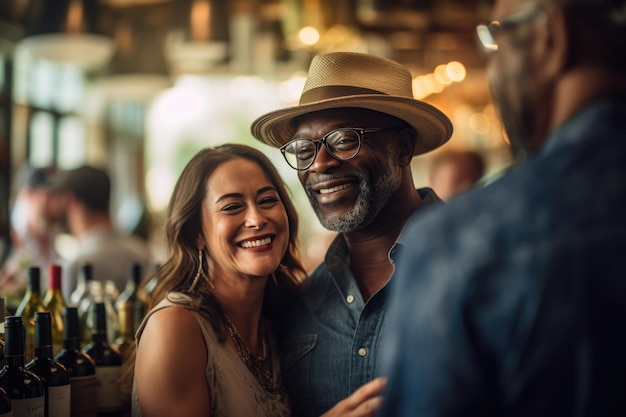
column 99, row 337
column 14, row 361
column 44, row 352
column 72, row 343
column 131, row 287
column 32, row 295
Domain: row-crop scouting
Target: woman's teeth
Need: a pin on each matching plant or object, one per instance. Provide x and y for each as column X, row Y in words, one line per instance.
column 256, row 243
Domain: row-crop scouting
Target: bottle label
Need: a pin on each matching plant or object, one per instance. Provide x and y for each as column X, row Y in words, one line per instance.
column 28, row 407
column 84, row 396
column 109, row 388
column 59, row 401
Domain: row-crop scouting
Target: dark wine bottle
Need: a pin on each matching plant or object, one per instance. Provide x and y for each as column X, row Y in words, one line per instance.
column 24, row 388
column 108, row 365
column 5, row 404
column 80, row 366
column 54, row 375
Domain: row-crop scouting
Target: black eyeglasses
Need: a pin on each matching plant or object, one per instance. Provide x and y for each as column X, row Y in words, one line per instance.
column 486, row 33
column 342, row 144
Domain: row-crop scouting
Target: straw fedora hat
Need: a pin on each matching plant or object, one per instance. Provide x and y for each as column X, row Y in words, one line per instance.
column 350, row 79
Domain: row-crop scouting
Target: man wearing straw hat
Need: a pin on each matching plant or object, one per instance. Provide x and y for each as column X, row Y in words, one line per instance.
column 351, row 140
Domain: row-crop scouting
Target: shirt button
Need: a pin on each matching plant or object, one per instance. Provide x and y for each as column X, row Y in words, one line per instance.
column 350, row 299
column 362, row 352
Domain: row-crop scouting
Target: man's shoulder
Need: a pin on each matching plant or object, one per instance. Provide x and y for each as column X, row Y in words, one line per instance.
column 469, row 220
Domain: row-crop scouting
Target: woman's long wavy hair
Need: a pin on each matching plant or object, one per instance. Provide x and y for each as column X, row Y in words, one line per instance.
column 183, row 227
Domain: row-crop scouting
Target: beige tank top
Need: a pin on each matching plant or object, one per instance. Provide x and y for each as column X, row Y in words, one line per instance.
column 234, row 391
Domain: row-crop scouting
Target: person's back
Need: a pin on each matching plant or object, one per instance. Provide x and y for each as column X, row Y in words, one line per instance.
column 111, row 254
column 515, row 300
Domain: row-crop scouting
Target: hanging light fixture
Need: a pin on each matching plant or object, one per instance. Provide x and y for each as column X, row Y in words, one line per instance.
column 67, row 32
column 138, row 69
column 199, row 44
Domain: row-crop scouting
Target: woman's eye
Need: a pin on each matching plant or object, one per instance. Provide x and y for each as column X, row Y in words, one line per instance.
column 270, row 200
column 231, row 207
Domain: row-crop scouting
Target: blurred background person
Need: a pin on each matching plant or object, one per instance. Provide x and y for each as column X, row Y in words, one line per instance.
column 455, row 171
column 86, row 193
column 35, row 222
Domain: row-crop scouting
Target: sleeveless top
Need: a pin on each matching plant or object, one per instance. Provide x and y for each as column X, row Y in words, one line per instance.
column 233, row 389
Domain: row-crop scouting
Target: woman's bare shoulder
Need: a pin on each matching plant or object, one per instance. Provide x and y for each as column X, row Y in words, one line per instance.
column 170, row 364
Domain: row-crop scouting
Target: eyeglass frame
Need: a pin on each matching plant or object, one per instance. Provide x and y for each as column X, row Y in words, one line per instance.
column 511, row 20
column 316, row 142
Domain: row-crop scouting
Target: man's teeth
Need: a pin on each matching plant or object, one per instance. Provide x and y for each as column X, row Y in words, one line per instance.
column 256, row 243
column 337, row 188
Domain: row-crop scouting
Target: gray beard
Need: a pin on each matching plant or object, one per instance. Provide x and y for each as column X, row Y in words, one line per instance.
column 370, row 201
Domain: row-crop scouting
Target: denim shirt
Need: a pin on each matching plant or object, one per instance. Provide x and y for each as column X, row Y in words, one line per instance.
column 333, row 341
column 511, row 300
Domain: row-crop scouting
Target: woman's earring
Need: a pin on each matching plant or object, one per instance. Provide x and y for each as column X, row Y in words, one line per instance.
column 200, row 272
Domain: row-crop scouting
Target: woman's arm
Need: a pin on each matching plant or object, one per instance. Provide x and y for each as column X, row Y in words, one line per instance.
column 170, row 366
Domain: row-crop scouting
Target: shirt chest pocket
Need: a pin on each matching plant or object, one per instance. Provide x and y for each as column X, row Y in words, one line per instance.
column 297, row 349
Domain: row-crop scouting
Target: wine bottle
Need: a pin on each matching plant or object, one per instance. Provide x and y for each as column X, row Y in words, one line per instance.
column 125, row 343
column 24, row 388
column 54, row 303
column 5, row 404
column 108, row 365
column 80, row 366
column 97, row 294
column 133, row 299
column 26, row 310
column 82, row 288
column 54, row 375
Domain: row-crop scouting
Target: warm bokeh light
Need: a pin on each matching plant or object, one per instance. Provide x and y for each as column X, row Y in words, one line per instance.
column 437, row 86
column 308, row 35
column 456, row 71
column 441, row 74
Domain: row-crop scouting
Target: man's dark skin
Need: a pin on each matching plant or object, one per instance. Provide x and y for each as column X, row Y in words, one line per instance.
column 382, row 153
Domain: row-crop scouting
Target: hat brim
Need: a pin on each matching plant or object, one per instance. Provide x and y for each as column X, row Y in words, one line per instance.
column 432, row 127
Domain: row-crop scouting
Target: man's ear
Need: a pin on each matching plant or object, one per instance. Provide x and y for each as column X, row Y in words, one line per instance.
column 406, row 144
column 552, row 44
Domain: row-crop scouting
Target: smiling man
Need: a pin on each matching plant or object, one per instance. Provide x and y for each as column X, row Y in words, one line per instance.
column 351, row 140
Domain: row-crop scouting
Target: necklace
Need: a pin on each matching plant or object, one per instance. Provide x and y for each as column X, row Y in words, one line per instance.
column 259, row 366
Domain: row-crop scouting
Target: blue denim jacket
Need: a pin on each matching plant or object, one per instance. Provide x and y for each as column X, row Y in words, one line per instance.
column 333, row 340
column 511, row 300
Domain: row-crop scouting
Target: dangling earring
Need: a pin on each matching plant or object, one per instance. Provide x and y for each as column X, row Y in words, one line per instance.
column 200, row 272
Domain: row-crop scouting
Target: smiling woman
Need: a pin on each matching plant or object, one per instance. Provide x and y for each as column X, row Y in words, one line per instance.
column 206, row 347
